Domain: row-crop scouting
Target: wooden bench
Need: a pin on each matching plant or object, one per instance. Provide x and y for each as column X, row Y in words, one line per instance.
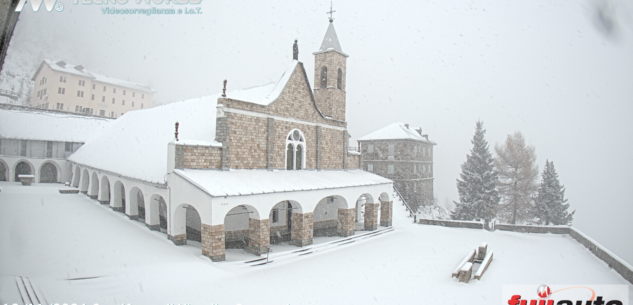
column 467, row 259
column 484, row 266
column 465, row 272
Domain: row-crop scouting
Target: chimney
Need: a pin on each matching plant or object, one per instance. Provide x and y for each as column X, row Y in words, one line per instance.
column 426, row 136
column 419, row 130
column 406, row 125
column 79, row 68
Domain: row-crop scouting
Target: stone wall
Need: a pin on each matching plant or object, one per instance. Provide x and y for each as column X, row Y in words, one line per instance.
column 326, row 228
column 412, row 163
column 386, row 213
column 330, row 100
column 611, row 259
column 213, row 242
column 302, row 228
column 247, row 140
column 533, row 229
column 198, row 157
column 353, row 161
column 452, row 223
column 346, row 222
column 295, row 101
column 237, row 239
column 371, row 216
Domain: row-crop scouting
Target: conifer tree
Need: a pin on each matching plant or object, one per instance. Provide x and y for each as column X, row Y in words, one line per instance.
column 550, row 204
column 517, row 170
column 478, row 196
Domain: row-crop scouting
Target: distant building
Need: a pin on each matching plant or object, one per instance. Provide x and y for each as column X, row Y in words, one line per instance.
column 72, row 88
column 26, row 148
column 404, row 155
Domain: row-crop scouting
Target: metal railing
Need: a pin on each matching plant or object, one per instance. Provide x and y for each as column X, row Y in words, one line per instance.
column 260, row 246
column 404, row 203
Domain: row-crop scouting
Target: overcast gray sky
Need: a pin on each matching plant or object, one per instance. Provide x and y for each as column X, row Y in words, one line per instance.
column 561, row 72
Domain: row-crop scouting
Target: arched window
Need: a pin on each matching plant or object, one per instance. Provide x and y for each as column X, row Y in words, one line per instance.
column 339, row 79
column 323, row 77
column 295, row 150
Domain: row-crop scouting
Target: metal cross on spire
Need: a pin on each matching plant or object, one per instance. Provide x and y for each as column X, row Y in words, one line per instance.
column 331, row 12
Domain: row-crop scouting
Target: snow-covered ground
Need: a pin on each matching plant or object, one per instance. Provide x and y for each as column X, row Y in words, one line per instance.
column 74, row 250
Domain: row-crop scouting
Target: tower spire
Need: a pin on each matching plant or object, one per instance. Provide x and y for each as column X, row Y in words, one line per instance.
column 331, row 12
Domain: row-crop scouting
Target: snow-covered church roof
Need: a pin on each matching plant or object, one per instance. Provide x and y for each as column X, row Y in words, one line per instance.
column 42, row 125
column 264, row 95
column 136, row 144
column 330, row 42
column 397, row 131
column 62, row 66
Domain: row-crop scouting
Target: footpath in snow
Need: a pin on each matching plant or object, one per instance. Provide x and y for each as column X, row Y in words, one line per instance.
column 70, row 249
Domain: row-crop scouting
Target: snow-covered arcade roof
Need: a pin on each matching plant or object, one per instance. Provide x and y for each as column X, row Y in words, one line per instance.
column 42, row 125
column 396, row 131
column 136, row 144
column 250, row 182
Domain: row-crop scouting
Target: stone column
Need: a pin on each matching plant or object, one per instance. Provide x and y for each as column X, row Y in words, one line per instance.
column 258, row 236
column 346, row 221
column 386, row 211
column 371, row 216
column 213, row 242
column 302, row 228
column 178, row 240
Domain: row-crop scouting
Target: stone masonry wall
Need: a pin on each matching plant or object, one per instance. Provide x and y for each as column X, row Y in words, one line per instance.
column 259, row 235
column 302, row 228
column 326, row 228
column 198, row 157
column 213, row 242
column 371, row 216
column 412, row 163
column 353, row 161
column 346, row 222
column 330, row 100
column 386, row 213
column 295, row 101
column 247, row 141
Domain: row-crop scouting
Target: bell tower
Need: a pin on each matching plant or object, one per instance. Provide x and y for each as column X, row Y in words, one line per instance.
column 329, row 75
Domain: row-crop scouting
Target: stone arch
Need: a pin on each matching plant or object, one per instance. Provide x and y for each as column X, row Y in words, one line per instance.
column 23, row 167
column 85, row 181
column 332, row 217
column 245, row 230
column 50, row 172
column 281, row 219
column 104, row 190
column 367, row 211
column 136, row 207
column 4, row 171
column 118, row 197
column 324, row 77
column 186, row 225
column 386, row 210
column 295, row 150
column 76, row 176
column 156, row 219
column 93, row 192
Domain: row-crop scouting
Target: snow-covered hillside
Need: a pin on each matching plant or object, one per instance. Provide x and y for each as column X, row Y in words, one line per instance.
column 74, row 250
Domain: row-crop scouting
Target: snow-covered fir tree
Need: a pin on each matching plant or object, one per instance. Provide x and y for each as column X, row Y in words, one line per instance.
column 478, row 196
column 550, row 204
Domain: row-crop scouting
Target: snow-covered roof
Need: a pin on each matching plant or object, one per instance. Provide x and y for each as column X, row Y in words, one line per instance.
column 264, row 95
column 396, row 131
column 62, row 66
column 50, row 126
column 136, row 144
column 330, row 42
column 248, row 182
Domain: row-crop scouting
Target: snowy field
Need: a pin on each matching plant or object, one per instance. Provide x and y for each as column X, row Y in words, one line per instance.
column 73, row 250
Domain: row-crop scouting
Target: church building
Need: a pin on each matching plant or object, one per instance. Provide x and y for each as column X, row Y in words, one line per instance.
column 245, row 169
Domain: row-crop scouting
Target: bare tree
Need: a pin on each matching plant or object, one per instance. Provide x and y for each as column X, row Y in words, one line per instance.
column 517, row 170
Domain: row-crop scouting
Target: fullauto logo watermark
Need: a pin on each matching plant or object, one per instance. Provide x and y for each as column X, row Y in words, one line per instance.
column 565, row 295
column 153, row 10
